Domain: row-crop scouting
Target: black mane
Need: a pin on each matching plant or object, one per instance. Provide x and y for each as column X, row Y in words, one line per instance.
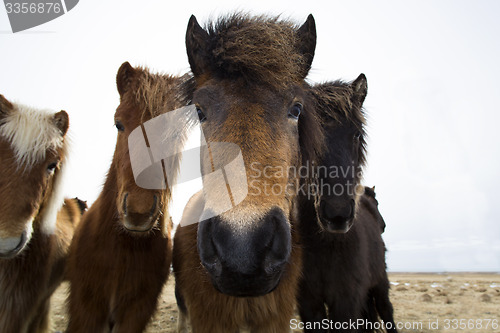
column 335, row 99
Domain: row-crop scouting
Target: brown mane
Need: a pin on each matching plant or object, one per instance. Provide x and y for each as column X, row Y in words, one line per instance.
column 150, row 91
column 259, row 49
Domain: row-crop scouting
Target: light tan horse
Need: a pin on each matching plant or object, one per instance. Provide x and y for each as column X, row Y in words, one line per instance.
column 36, row 224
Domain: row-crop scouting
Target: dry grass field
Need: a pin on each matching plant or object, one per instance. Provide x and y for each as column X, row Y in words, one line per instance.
column 455, row 302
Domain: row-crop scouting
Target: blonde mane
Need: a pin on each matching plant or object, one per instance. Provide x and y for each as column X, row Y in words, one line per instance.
column 31, row 133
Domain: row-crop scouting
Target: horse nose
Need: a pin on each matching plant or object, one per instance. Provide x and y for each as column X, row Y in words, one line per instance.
column 245, row 261
column 11, row 246
column 336, row 217
column 139, row 221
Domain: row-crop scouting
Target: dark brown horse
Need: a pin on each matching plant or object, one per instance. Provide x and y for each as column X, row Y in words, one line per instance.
column 378, row 303
column 240, row 268
column 121, row 254
column 344, row 255
column 36, row 225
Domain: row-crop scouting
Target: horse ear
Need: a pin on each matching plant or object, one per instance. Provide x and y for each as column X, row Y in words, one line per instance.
column 124, row 77
column 307, row 42
column 5, row 106
column 360, row 89
column 196, row 46
column 61, row 120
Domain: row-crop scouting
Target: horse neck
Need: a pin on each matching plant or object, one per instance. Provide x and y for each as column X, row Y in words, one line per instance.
column 308, row 223
column 107, row 198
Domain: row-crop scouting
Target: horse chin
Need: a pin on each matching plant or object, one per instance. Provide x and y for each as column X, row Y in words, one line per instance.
column 336, row 227
column 245, row 286
column 23, row 240
column 141, row 229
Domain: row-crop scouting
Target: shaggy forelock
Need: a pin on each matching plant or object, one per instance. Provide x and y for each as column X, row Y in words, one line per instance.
column 31, row 133
column 157, row 92
column 257, row 48
column 334, row 100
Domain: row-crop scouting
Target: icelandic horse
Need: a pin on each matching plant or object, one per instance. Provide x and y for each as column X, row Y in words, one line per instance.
column 344, row 275
column 239, row 269
column 36, row 222
column 121, row 254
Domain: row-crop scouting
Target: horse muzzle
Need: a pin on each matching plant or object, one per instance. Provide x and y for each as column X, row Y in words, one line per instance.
column 138, row 222
column 337, row 219
column 246, row 263
column 12, row 246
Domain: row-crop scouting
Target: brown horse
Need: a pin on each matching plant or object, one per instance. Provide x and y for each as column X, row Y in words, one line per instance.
column 36, row 226
column 239, row 269
column 344, row 277
column 121, row 254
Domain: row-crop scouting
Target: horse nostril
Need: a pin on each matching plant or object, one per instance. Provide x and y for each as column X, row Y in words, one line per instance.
column 280, row 248
column 9, row 247
column 153, row 209
column 353, row 208
column 327, row 210
column 125, row 204
column 322, row 210
column 213, row 265
column 207, row 248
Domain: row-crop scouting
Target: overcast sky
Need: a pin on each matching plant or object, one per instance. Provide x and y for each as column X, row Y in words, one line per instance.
column 432, row 69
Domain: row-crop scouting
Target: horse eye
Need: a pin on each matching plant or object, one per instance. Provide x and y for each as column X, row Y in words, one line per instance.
column 119, row 126
column 357, row 136
column 201, row 115
column 51, row 167
column 295, row 111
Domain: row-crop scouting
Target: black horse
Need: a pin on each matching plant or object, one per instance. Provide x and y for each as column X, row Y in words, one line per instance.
column 344, row 284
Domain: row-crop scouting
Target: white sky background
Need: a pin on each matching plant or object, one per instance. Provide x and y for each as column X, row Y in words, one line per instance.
column 432, row 88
